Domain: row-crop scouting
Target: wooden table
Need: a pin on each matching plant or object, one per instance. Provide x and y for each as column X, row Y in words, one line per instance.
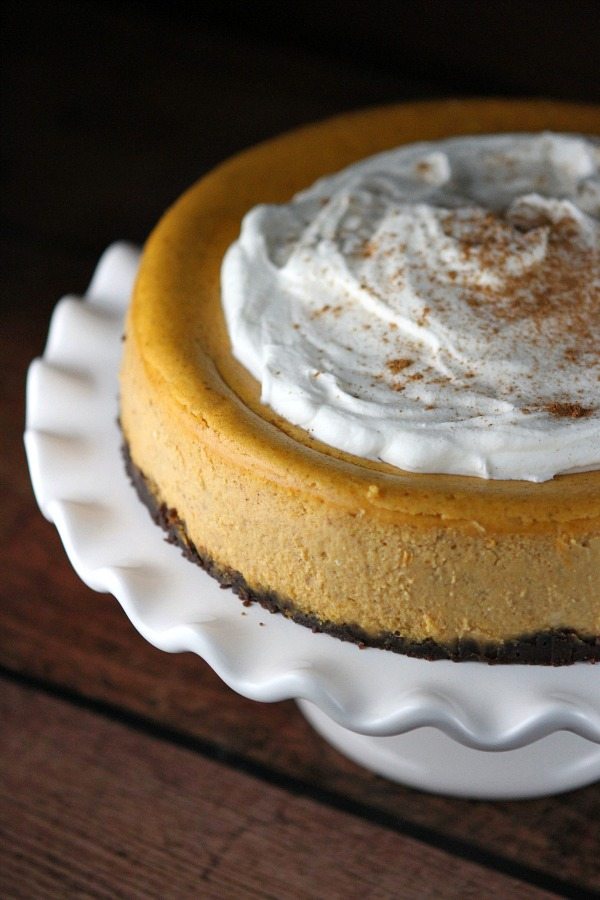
column 127, row 772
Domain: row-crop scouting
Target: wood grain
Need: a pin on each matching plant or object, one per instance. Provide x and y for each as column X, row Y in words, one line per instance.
column 90, row 807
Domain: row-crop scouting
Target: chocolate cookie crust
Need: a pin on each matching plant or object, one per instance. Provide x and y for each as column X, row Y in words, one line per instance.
column 557, row 647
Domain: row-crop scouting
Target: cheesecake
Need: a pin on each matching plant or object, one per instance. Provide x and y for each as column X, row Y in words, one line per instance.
column 373, row 405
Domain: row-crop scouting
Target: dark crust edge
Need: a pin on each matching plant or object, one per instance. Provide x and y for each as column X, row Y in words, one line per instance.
column 556, row 648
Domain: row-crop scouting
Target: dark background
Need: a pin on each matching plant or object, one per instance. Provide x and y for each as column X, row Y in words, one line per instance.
column 109, row 110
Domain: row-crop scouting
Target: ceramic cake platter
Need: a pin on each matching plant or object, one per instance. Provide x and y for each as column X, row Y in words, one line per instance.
column 467, row 729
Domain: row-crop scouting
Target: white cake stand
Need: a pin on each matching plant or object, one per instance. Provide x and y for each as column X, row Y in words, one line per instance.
column 466, row 729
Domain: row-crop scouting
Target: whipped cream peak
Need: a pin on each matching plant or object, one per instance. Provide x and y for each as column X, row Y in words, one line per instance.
column 436, row 307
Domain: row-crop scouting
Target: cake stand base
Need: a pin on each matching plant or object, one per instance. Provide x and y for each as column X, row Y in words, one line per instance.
column 429, row 760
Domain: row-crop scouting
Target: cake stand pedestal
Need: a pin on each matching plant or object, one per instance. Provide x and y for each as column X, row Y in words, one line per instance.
column 429, row 760
column 466, row 729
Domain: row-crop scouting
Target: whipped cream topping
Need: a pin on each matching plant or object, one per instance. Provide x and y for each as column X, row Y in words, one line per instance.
column 436, row 307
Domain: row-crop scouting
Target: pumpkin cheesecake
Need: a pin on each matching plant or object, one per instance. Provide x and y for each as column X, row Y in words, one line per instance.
column 361, row 378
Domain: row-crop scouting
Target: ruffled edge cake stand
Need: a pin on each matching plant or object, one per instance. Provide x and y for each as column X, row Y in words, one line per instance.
column 467, row 729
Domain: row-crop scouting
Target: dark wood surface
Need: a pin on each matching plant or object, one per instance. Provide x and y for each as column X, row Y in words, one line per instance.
column 125, row 771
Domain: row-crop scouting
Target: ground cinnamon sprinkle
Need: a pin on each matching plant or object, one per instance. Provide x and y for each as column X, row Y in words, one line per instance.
column 423, row 167
column 321, row 311
column 559, row 295
column 367, row 249
column 397, row 365
column 569, row 410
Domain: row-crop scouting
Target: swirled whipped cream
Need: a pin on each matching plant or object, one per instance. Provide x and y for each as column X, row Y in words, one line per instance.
column 436, row 307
